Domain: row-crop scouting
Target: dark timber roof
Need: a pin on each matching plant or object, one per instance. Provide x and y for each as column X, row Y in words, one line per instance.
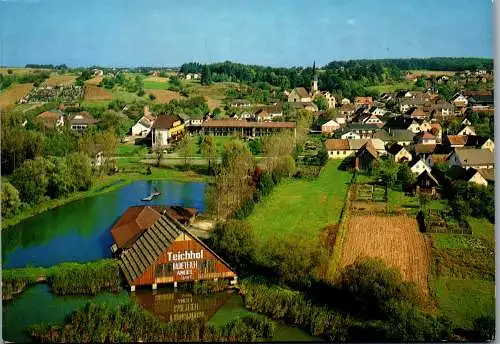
column 147, row 248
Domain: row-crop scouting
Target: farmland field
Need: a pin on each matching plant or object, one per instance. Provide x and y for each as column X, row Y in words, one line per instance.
column 394, row 239
column 94, row 81
column 21, row 71
column 97, row 93
column 11, row 95
column 60, row 80
column 302, row 208
column 165, row 96
column 214, row 94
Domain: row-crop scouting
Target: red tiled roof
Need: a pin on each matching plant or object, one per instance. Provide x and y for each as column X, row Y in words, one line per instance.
column 363, row 100
column 165, row 121
column 132, row 224
column 301, row 92
column 337, row 144
column 426, row 135
column 234, row 123
column 457, row 140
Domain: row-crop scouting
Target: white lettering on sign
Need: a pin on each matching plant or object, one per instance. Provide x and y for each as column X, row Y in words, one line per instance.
column 186, row 255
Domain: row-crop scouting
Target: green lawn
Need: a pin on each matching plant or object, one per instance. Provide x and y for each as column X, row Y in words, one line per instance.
column 131, row 150
column 302, row 208
column 465, row 300
column 220, row 141
column 155, row 85
column 398, row 199
column 386, row 88
column 482, row 228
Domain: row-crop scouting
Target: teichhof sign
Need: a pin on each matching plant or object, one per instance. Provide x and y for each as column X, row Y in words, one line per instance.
column 183, row 263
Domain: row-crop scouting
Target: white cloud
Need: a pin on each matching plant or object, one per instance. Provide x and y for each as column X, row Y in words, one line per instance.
column 350, row 21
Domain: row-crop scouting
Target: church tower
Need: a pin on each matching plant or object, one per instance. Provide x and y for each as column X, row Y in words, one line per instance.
column 314, row 85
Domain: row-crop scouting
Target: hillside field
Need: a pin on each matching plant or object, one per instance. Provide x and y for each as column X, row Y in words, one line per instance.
column 10, row 96
column 56, row 80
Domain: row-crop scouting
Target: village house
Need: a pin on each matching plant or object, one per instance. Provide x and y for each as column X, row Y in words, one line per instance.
column 399, row 153
column 347, row 110
column 453, row 141
column 299, row 95
column 417, row 166
column 426, row 184
column 459, row 101
column 472, row 157
column 240, row 103
column 166, row 130
column 245, row 115
column 357, row 130
column 193, row 76
column 368, row 118
column 144, row 124
column 378, row 111
column 50, row 119
column 402, row 137
column 437, row 131
column 269, row 112
column 366, row 157
column 467, row 130
column 329, row 127
column 229, row 127
column 416, row 112
column 434, row 159
column 365, row 102
column 442, row 110
column 426, row 138
column 471, row 175
column 153, row 248
column 80, row 121
column 342, row 148
column 345, row 101
column 330, row 99
column 403, row 123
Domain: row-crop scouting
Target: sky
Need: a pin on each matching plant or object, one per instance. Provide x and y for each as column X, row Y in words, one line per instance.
column 126, row 33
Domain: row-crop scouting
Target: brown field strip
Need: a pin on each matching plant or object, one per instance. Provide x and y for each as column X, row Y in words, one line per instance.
column 165, row 96
column 60, row 80
column 156, row 79
column 95, row 80
column 97, row 93
column 11, row 95
column 395, row 240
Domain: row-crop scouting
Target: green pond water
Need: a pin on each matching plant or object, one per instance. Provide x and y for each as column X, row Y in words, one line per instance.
column 79, row 231
column 37, row 305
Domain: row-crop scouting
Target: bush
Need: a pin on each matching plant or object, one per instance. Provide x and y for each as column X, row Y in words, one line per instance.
column 10, row 200
column 485, row 327
column 234, row 241
column 89, row 278
column 99, row 323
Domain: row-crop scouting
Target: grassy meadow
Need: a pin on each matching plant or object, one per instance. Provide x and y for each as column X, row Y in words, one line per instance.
column 302, row 208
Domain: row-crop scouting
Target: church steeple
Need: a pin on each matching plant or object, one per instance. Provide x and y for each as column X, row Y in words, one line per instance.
column 314, row 84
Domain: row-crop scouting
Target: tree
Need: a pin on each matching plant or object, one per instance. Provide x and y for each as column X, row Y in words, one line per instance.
column 31, row 180
column 184, row 147
column 81, row 171
column 234, row 240
column 285, row 166
column 405, row 176
column 10, row 200
column 321, row 102
column 60, row 178
column 159, row 148
column 208, row 149
column 387, row 171
column 206, row 76
column 420, row 82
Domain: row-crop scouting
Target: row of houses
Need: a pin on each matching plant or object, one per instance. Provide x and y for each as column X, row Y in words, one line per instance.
column 78, row 121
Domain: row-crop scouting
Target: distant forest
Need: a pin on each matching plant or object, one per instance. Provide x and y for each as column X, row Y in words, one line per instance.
column 346, row 78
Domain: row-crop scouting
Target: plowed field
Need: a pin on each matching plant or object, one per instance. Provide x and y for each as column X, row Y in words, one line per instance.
column 11, row 95
column 394, row 239
column 97, row 93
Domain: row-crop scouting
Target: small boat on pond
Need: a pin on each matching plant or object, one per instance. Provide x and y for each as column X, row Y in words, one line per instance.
column 153, row 194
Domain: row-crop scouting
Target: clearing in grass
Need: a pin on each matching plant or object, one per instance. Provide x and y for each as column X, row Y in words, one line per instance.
column 302, row 208
column 97, row 93
column 156, row 79
column 155, row 85
column 56, row 80
column 394, row 239
column 10, row 96
column 165, row 96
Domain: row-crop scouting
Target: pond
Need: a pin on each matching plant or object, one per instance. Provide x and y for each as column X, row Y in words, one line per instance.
column 165, row 303
column 79, row 231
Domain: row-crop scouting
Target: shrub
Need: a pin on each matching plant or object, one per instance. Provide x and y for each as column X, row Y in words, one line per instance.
column 10, row 200
column 89, row 278
column 234, row 240
column 485, row 327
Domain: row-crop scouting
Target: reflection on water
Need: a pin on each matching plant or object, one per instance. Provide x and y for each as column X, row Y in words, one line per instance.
column 79, row 231
column 169, row 305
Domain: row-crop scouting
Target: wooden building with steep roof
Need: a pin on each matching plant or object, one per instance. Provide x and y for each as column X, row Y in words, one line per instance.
column 154, row 248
